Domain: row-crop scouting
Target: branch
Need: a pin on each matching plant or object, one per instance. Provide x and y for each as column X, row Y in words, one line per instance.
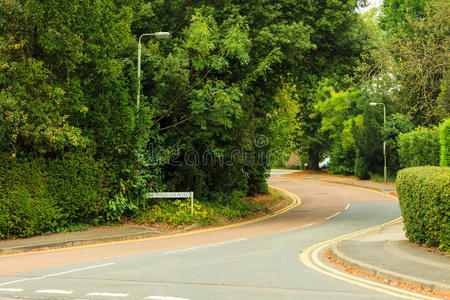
column 178, row 123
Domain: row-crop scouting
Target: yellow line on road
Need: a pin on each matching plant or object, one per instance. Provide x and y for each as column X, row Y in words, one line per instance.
column 296, row 202
column 310, row 258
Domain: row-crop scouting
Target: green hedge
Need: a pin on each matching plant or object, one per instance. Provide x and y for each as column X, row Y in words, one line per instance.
column 45, row 195
column 445, row 143
column 424, row 195
column 419, row 147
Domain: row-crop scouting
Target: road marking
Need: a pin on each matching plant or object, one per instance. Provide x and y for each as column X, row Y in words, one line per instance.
column 348, row 205
column 64, row 292
column 56, row 274
column 333, row 215
column 310, row 258
column 205, row 246
column 164, row 298
column 296, row 202
column 107, row 294
column 10, row 290
column 296, row 228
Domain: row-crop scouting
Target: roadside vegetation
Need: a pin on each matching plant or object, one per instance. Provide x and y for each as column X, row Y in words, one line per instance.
column 237, row 88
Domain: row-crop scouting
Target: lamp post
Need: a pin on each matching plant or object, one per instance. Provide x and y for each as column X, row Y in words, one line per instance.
column 158, row 35
column 384, row 142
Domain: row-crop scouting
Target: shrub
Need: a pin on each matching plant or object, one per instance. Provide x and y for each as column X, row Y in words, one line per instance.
column 424, row 195
column 445, row 143
column 39, row 195
column 419, row 147
column 25, row 207
column 79, row 185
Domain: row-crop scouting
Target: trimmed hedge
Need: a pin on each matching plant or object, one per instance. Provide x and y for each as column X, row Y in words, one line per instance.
column 45, row 195
column 419, row 147
column 445, row 143
column 424, row 196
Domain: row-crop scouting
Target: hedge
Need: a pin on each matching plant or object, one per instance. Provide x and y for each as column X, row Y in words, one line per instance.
column 424, row 196
column 419, row 147
column 445, row 143
column 45, row 195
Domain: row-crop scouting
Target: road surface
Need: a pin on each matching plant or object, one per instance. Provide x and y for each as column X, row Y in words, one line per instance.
column 259, row 260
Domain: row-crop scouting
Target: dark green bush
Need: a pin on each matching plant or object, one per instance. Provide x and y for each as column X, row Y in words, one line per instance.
column 46, row 194
column 79, row 185
column 424, row 195
column 419, row 147
column 445, row 143
column 25, row 207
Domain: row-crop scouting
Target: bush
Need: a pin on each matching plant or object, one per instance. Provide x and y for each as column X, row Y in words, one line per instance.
column 79, row 185
column 48, row 194
column 25, row 207
column 419, row 147
column 424, row 196
column 445, row 143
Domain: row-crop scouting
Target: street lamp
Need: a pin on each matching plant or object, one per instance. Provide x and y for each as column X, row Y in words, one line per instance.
column 158, row 35
column 384, row 142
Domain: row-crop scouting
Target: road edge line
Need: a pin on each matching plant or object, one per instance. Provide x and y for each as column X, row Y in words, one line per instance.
column 296, row 201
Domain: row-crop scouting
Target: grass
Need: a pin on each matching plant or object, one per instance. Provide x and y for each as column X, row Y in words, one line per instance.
column 177, row 213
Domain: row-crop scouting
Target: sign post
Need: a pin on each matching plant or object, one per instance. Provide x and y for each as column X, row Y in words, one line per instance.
column 175, row 195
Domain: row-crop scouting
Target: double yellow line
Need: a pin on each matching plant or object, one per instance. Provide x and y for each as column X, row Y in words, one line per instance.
column 310, row 257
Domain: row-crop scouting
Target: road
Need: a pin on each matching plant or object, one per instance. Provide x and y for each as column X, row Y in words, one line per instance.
column 259, row 260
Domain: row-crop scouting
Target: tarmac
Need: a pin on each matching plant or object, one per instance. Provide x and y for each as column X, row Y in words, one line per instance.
column 385, row 253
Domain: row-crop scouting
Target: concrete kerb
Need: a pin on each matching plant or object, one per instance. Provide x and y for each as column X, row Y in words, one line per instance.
column 387, row 274
column 195, row 228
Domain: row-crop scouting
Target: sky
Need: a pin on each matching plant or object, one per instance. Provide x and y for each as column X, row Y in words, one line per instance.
column 372, row 3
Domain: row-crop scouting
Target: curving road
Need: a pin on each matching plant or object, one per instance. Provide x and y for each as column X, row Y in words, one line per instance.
column 258, row 260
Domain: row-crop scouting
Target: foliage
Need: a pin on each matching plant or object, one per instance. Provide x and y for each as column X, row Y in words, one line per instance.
column 424, row 196
column 419, row 147
column 25, row 207
column 395, row 124
column 46, row 195
column 414, row 53
column 445, row 143
column 178, row 212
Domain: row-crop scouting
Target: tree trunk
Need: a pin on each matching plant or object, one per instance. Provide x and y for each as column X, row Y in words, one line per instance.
column 313, row 160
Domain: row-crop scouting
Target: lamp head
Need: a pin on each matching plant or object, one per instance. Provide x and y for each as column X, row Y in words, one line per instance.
column 162, row 35
column 373, row 103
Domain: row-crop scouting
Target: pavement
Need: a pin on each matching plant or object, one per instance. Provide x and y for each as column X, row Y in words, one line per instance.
column 385, row 253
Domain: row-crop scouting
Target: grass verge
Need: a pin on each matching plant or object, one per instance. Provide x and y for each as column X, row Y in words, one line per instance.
column 175, row 214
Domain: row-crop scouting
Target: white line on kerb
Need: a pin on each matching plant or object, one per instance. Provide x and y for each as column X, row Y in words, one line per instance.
column 56, row 274
column 107, row 294
column 10, row 290
column 205, row 246
column 64, row 292
column 333, row 215
column 164, row 298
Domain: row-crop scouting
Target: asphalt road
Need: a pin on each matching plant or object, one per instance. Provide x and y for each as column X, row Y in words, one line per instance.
column 254, row 261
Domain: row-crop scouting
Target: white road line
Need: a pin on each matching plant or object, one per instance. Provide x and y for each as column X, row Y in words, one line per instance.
column 107, row 294
column 63, row 292
column 10, row 290
column 333, row 215
column 296, row 228
column 348, row 205
column 164, row 298
column 56, row 274
column 200, row 247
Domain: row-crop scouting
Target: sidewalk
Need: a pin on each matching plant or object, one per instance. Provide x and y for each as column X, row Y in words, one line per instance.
column 100, row 234
column 387, row 253
column 388, row 188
